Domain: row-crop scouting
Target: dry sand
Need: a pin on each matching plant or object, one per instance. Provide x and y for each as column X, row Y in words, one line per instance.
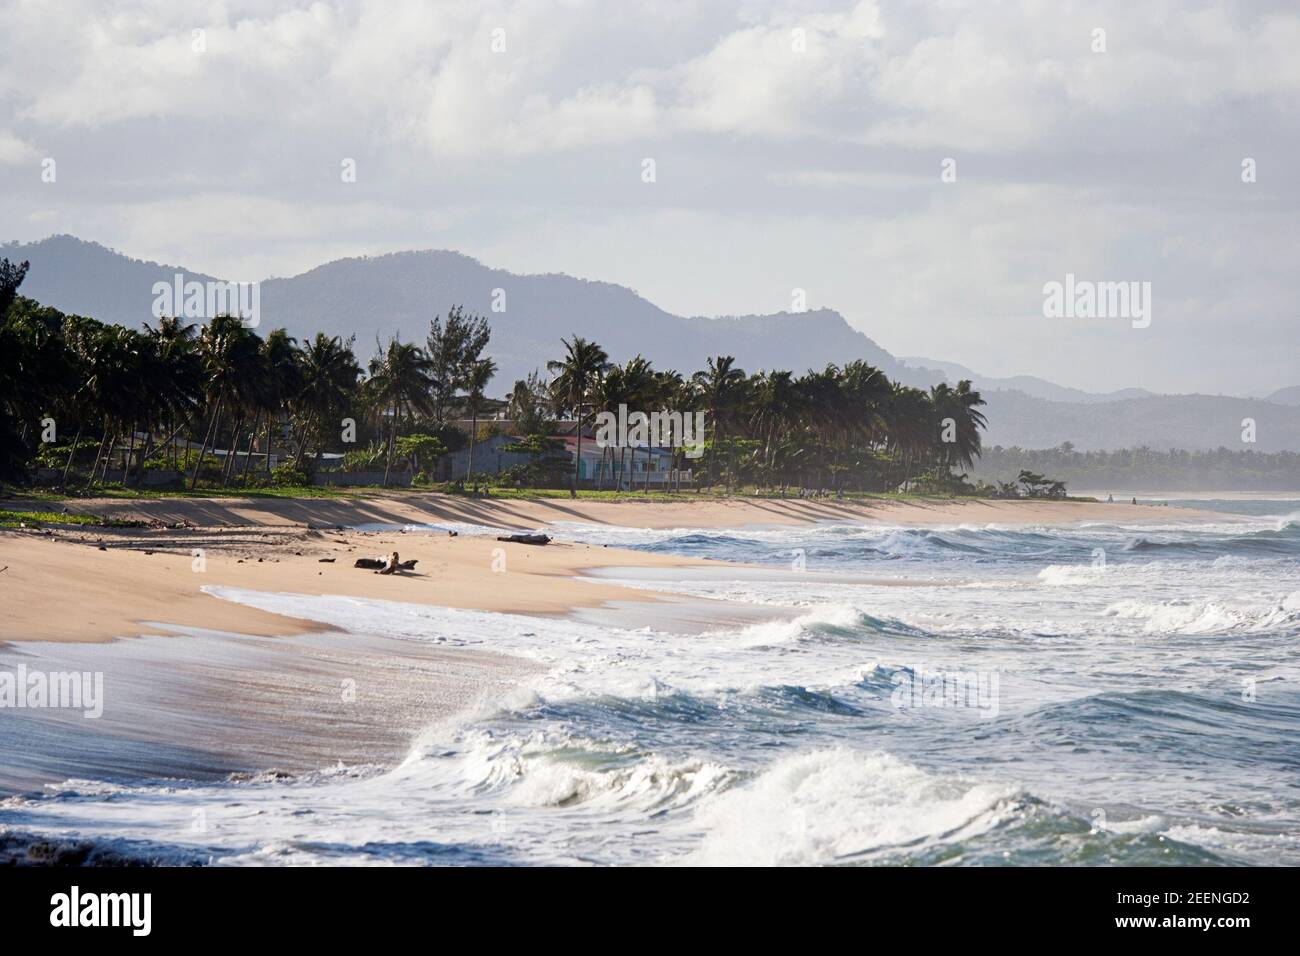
column 61, row 587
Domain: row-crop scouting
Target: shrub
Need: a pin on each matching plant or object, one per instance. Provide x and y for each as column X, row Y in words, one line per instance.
column 289, row 475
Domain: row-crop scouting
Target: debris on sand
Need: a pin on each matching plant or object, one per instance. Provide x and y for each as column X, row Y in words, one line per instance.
column 389, row 565
column 525, row 538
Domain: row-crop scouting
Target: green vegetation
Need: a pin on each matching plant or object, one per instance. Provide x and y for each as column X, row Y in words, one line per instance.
column 89, row 408
column 35, row 519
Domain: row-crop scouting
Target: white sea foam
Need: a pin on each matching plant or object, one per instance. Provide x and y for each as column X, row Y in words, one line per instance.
column 838, row 804
column 1209, row 617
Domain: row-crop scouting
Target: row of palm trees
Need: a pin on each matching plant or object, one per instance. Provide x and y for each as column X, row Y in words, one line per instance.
column 171, row 387
column 840, row 427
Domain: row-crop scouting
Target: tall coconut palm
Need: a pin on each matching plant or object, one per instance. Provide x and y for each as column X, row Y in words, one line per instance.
column 181, row 386
column 281, row 379
column 662, row 393
column 474, row 383
column 606, row 394
column 776, row 402
column 639, row 387
column 575, row 375
column 961, row 404
column 719, row 389
column 327, row 387
column 227, row 350
column 401, row 378
column 911, row 429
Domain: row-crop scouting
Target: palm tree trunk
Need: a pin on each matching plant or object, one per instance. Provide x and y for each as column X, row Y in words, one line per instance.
column 577, row 459
column 392, row 440
column 228, row 466
column 72, row 454
column 473, row 432
column 270, row 422
column 99, row 453
column 145, row 448
column 252, row 440
column 203, row 449
column 107, row 461
column 130, row 457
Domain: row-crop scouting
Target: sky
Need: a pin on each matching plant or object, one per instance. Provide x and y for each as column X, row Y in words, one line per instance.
column 923, row 168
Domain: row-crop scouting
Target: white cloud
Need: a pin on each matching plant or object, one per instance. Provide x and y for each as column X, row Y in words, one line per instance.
column 15, row 151
column 816, row 167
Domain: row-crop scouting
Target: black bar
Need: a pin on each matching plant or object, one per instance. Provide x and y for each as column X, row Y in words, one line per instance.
column 329, row 905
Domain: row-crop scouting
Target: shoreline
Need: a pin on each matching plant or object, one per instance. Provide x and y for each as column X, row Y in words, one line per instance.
column 80, row 583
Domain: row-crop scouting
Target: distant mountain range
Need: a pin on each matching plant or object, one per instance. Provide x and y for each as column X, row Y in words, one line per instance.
column 1028, row 384
column 399, row 293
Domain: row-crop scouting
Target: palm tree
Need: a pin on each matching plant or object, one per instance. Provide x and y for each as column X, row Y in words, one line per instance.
column 327, row 386
column 663, row 390
column 36, row 371
column 180, row 371
column 282, row 378
column 228, row 349
column 910, row 428
column 117, row 370
column 719, row 387
column 776, row 403
column 963, row 406
column 639, row 387
column 606, row 394
column 575, row 375
column 473, row 384
column 400, row 378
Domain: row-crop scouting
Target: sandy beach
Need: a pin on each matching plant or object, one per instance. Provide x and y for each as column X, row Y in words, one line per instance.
column 203, row 686
column 67, row 583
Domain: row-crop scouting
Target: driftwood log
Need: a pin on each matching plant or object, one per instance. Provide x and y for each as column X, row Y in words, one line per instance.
column 375, row 564
column 525, row 538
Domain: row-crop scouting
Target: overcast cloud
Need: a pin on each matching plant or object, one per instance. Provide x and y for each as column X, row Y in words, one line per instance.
column 783, row 159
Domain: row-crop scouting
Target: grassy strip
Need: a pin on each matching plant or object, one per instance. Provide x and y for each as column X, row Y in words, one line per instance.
column 35, row 519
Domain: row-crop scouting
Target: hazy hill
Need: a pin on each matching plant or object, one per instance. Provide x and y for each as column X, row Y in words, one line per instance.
column 1285, row 396
column 1162, row 422
column 401, row 292
column 1028, row 384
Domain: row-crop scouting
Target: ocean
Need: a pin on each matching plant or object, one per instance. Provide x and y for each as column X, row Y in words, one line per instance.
column 955, row 695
